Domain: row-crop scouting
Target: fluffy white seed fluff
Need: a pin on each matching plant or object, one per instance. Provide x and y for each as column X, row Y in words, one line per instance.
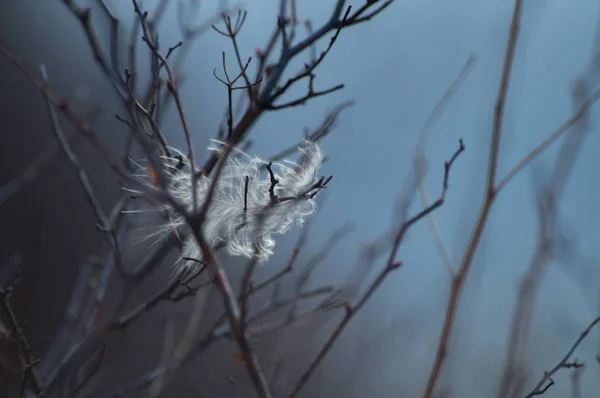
column 243, row 232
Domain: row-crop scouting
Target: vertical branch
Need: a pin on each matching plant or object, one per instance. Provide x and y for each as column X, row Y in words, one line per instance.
column 459, row 278
column 257, row 376
column 546, row 249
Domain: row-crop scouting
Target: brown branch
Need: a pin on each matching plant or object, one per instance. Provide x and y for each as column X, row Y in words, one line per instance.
column 234, row 316
column 195, row 221
column 459, row 278
column 548, row 236
column 565, row 127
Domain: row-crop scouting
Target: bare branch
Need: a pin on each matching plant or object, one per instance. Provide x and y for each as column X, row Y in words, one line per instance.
column 391, row 265
column 465, row 267
column 420, row 161
column 546, row 381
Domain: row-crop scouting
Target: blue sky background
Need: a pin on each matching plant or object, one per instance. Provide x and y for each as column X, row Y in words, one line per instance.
column 396, row 68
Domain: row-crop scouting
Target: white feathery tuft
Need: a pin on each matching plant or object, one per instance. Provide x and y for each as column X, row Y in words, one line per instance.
column 243, row 232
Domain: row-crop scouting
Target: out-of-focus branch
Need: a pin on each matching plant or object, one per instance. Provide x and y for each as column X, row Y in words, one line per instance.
column 546, row 250
column 255, row 326
column 565, row 127
column 318, row 258
column 576, row 382
column 82, row 126
column 79, row 350
column 175, row 360
column 73, row 313
column 35, row 169
column 102, row 221
column 29, row 373
column 420, row 161
column 318, row 133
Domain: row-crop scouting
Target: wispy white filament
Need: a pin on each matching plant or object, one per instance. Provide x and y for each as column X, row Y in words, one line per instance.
column 243, row 220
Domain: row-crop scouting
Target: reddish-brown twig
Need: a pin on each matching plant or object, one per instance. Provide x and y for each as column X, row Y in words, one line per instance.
column 490, row 194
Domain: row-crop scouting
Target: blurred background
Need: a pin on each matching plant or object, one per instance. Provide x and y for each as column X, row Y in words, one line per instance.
column 396, row 68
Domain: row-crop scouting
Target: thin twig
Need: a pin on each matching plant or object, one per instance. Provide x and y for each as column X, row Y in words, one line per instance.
column 434, row 116
column 555, row 135
column 391, row 265
column 546, row 380
column 234, row 316
column 269, row 86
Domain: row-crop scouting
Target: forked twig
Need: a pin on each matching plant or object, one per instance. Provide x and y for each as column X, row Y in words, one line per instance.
column 391, row 265
column 434, row 116
column 546, row 381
